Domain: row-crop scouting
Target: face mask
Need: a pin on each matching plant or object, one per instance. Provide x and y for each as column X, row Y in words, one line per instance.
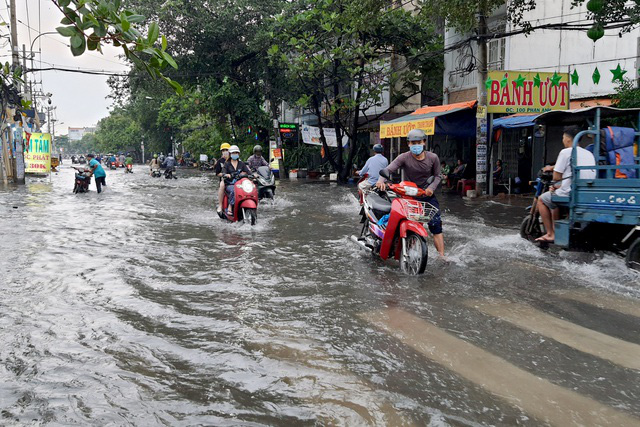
column 225, row 154
column 235, row 156
column 417, row 149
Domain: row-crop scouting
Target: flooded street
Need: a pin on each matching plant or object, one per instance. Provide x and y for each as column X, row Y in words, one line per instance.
column 140, row 307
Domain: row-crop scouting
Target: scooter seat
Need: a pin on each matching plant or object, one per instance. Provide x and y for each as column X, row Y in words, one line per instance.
column 378, row 204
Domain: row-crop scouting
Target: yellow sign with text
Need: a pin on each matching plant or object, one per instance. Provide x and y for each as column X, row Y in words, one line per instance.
column 526, row 92
column 37, row 157
column 401, row 129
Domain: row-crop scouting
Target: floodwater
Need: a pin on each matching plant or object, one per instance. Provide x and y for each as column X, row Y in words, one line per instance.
column 140, row 307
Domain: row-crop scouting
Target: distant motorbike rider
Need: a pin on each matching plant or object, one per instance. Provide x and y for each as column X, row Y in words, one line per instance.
column 234, row 169
column 154, row 164
column 121, row 159
column 128, row 161
column 161, row 158
column 169, row 162
column 256, row 160
column 218, row 169
column 373, row 167
column 419, row 165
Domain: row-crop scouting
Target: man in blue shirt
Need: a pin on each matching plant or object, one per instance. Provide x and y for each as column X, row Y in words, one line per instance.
column 373, row 167
column 98, row 173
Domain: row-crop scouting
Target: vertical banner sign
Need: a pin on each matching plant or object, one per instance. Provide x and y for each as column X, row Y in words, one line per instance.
column 19, row 142
column 481, row 151
column 37, row 157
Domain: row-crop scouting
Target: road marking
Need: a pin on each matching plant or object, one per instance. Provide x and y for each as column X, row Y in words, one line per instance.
column 620, row 352
column 630, row 306
column 538, row 397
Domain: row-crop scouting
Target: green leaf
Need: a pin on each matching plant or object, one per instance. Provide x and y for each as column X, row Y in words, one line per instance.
column 64, row 3
column 77, row 40
column 134, row 19
column 125, row 24
column 67, row 31
column 66, row 21
column 169, row 59
column 164, row 43
column 93, row 42
column 154, row 32
column 79, row 50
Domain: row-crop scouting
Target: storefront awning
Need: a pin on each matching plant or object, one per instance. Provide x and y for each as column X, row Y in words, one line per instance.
column 515, row 121
column 423, row 118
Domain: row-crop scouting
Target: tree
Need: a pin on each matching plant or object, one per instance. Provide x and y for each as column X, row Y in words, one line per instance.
column 627, row 95
column 341, row 53
column 118, row 133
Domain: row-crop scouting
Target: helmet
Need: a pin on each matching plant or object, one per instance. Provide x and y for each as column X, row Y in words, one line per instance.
column 257, row 148
column 378, row 148
column 234, row 149
column 155, row 156
column 91, row 155
column 416, row 135
column 225, row 146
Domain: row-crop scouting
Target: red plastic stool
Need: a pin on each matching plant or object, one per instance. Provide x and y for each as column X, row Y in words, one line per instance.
column 466, row 184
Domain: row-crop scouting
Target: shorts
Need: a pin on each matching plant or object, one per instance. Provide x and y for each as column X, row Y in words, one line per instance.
column 435, row 225
column 546, row 199
column 364, row 185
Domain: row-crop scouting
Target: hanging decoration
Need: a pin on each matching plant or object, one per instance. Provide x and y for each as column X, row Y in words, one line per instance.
column 596, row 76
column 504, row 81
column 618, row 74
column 555, row 79
column 575, row 78
column 488, row 83
column 520, row 81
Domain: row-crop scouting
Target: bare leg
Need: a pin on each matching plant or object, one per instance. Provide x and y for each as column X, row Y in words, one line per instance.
column 220, row 195
column 547, row 220
column 438, row 241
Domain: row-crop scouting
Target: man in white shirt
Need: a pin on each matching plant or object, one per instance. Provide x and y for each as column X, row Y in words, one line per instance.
column 562, row 172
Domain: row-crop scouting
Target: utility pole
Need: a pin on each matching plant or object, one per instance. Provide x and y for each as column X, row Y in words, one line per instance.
column 18, row 164
column 481, row 121
column 14, row 34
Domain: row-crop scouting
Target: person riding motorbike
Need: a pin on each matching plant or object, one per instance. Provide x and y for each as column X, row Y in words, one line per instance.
column 256, row 160
column 128, row 161
column 154, row 164
column 234, row 169
column 217, row 169
column 373, row 167
column 419, row 165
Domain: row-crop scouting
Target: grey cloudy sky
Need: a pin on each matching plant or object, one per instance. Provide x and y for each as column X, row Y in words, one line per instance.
column 80, row 99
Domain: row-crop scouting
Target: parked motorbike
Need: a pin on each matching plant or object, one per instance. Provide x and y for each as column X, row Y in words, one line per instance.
column 246, row 206
column 170, row 173
column 530, row 228
column 128, row 169
column 394, row 225
column 82, row 181
column 266, row 182
column 206, row 166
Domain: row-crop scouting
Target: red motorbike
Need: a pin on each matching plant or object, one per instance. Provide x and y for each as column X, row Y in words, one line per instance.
column 394, row 225
column 246, row 206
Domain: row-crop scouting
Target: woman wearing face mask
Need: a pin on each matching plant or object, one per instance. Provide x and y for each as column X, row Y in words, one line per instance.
column 419, row 165
column 234, row 169
column 218, row 170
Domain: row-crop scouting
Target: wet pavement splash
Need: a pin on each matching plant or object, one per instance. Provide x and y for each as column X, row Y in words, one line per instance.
column 140, row 307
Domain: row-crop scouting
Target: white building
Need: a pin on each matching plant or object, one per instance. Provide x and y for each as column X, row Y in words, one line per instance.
column 546, row 51
column 76, row 134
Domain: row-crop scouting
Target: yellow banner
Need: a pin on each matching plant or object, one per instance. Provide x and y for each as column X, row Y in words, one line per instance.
column 37, row 157
column 527, row 92
column 395, row 130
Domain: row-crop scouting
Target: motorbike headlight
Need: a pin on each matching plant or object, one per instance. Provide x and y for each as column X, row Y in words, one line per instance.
column 411, row 191
column 247, row 186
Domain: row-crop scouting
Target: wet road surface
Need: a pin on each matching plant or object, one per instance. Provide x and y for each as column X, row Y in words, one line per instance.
column 140, row 307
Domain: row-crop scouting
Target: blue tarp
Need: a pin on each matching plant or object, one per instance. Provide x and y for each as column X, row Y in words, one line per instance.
column 514, row 122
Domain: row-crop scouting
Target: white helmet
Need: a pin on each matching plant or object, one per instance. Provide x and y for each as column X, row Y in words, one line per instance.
column 234, row 149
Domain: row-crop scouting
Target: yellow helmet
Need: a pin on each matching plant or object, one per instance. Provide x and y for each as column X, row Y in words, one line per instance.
column 225, row 146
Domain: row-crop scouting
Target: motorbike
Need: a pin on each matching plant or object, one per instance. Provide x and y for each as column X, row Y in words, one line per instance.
column 170, row 172
column 206, row 166
column 82, row 160
column 129, row 169
column 82, row 181
column 394, row 225
column 246, row 206
column 530, row 228
column 156, row 173
column 266, row 182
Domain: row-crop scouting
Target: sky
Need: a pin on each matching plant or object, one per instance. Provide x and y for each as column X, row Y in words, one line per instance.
column 80, row 99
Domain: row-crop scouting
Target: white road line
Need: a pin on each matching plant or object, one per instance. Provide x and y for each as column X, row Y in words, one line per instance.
column 620, row 352
column 630, row 306
column 538, row 397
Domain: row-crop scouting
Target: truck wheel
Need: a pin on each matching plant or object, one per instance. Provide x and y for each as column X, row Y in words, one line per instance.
column 530, row 228
column 633, row 255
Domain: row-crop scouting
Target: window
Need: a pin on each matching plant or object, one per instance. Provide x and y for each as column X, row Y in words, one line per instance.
column 496, row 48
